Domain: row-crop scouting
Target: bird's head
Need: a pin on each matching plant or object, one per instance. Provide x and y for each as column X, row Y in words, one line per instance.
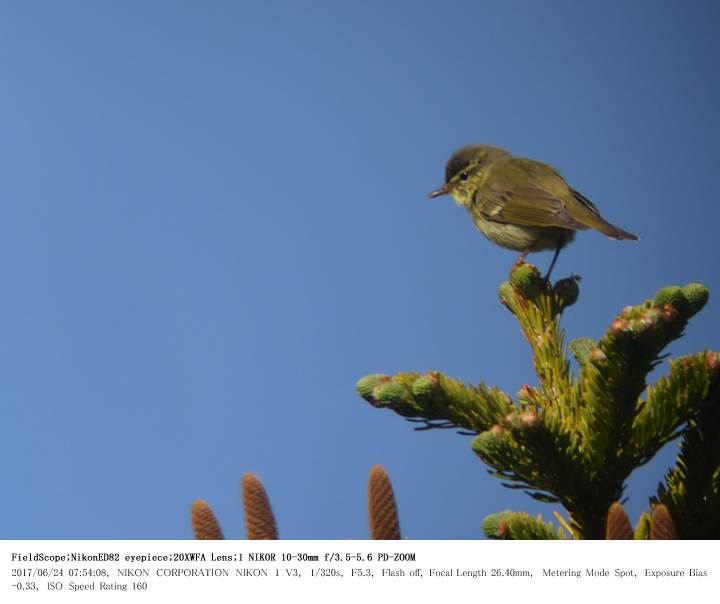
column 464, row 172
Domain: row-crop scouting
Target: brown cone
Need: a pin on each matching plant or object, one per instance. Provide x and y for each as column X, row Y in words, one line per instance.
column 259, row 518
column 618, row 523
column 384, row 522
column 204, row 522
column 662, row 526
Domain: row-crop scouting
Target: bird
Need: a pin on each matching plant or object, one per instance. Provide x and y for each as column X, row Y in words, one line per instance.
column 520, row 204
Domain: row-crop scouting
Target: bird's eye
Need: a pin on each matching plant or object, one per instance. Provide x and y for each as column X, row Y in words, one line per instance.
column 465, row 175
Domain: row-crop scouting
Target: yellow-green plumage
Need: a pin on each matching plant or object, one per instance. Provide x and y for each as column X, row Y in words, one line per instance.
column 520, row 204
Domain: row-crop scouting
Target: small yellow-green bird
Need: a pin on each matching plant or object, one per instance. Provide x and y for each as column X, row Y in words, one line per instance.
column 520, row 204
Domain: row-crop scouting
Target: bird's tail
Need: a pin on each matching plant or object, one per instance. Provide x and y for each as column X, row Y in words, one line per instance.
column 613, row 232
column 597, row 222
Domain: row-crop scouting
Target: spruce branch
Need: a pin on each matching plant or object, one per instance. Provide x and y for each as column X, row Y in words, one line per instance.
column 442, row 401
column 689, row 387
column 539, row 459
column 643, row 527
column 537, row 308
column 611, row 382
column 576, row 440
column 581, row 349
column 691, row 490
column 518, row 525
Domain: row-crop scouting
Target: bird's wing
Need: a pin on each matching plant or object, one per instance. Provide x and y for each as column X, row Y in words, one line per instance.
column 528, row 193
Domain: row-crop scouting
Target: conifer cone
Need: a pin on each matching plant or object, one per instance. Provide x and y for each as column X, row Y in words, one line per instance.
column 618, row 523
column 662, row 526
column 384, row 522
column 204, row 523
column 259, row 518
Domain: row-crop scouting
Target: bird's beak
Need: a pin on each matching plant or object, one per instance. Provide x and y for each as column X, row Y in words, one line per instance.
column 441, row 191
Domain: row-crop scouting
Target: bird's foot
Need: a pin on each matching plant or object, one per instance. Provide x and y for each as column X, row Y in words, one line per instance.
column 521, row 259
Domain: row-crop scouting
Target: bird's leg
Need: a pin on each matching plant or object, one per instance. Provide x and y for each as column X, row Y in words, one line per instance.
column 521, row 258
column 560, row 246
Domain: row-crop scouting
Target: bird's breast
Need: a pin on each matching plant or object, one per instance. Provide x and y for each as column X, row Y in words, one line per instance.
column 522, row 238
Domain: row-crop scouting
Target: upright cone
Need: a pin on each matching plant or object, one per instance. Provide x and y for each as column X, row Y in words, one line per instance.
column 204, row 523
column 384, row 522
column 618, row 523
column 259, row 518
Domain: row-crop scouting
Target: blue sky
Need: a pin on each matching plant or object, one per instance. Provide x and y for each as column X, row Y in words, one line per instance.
column 214, row 222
